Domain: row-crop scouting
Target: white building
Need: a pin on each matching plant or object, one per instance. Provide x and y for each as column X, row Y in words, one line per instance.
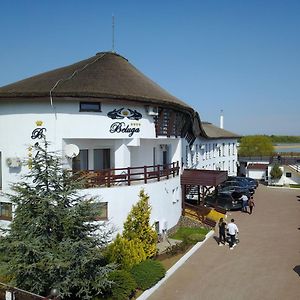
column 107, row 118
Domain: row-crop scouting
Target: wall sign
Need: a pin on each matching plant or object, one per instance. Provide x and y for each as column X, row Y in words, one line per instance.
column 122, row 127
column 38, row 133
column 124, row 113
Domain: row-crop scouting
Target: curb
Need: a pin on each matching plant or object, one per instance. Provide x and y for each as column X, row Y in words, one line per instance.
column 172, row 270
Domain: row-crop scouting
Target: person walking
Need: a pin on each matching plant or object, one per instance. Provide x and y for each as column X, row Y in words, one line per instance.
column 222, row 229
column 245, row 199
column 232, row 231
column 251, row 205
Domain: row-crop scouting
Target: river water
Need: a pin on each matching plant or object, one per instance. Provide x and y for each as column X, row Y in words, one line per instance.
column 287, row 147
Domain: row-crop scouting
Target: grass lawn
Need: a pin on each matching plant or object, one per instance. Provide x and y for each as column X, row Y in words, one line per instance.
column 186, row 231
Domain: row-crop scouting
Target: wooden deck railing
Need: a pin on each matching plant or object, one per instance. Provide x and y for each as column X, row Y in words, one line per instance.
column 127, row 176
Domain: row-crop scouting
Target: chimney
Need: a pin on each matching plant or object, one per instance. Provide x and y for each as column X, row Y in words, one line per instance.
column 221, row 120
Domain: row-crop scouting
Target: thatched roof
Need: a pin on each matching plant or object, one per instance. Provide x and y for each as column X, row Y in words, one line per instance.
column 215, row 132
column 106, row 75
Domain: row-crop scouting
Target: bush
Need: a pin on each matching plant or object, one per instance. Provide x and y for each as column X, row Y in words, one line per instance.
column 123, row 286
column 148, row 273
column 137, row 225
column 276, row 172
column 126, row 253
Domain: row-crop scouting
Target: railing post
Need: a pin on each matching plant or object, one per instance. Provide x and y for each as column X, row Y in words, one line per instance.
column 158, row 172
column 128, row 171
column 168, row 170
column 108, row 178
column 145, row 174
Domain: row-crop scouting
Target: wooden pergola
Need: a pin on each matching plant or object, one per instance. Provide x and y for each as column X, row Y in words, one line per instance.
column 201, row 181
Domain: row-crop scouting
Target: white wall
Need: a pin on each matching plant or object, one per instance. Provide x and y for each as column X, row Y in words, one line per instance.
column 256, row 174
column 295, row 179
column 211, row 154
column 65, row 124
column 90, row 131
column 164, row 199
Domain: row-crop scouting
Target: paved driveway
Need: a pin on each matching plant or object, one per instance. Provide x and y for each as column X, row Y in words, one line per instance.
column 264, row 266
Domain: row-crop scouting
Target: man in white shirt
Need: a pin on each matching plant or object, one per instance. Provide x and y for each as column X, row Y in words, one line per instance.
column 245, row 199
column 232, row 231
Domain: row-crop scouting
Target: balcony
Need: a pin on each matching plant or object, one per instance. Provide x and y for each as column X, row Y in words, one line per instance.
column 130, row 175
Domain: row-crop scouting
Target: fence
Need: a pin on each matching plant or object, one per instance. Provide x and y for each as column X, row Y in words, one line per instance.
column 12, row 293
column 127, row 176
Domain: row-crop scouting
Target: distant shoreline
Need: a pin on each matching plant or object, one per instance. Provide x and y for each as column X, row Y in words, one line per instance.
column 286, row 146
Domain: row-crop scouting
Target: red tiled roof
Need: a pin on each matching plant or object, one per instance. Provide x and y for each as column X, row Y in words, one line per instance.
column 257, row 166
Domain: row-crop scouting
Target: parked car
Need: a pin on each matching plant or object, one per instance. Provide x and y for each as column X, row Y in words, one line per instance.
column 252, row 183
column 237, row 189
column 226, row 200
column 239, row 183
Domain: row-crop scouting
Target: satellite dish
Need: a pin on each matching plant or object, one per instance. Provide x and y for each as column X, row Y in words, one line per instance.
column 71, row 150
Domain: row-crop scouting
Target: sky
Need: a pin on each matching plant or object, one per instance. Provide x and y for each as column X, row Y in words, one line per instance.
column 242, row 57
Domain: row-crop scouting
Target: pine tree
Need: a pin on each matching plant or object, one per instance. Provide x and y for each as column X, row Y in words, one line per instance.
column 53, row 241
column 137, row 225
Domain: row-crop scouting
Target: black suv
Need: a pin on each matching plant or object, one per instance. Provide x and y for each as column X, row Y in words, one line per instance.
column 226, row 200
column 252, row 183
column 238, row 183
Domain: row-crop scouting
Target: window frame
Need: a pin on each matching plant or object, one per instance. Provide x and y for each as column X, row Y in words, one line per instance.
column 99, row 206
column 3, row 216
column 98, row 109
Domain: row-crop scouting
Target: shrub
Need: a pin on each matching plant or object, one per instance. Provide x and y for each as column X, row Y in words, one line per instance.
column 126, row 253
column 276, row 172
column 123, row 286
column 148, row 273
column 137, row 225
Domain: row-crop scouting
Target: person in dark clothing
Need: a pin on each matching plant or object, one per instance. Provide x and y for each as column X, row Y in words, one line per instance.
column 251, row 205
column 222, row 229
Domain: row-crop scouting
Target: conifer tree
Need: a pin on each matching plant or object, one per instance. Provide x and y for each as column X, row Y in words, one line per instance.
column 276, row 172
column 53, row 241
column 137, row 225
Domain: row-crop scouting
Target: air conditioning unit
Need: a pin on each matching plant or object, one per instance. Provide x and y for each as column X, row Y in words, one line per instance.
column 14, row 162
column 152, row 111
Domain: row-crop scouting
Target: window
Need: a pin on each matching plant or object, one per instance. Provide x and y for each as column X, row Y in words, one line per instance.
column 288, row 174
column 197, row 154
column 102, row 211
column 81, row 161
column 186, row 155
column 90, row 106
column 5, row 211
column 101, row 159
column 154, row 156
